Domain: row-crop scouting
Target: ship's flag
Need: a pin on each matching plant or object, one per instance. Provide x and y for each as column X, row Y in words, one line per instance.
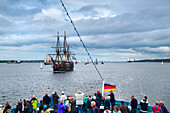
column 108, row 87
column 73, row 58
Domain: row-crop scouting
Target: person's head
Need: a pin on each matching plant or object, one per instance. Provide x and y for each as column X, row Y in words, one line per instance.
column 62, row 101
column 161, row 103
column 93, row 103
column 6, row 104
column 62, row 92
column 111, row 91
column 45, row 107
column 157, row 103
column 41, row 101
column 79, row 92
column 88, row 98
column 132, row 97
column 103, row 98
column 94, row 97
column 46, row 93
column 108, row 97
column 68, row 97
column 116, row 108
column 145, row 97
column 122, row 102
column 55, row 93
column 98, row 92
column 33, row 96
column 107, row 110
column 19, row 102
column 72, row 98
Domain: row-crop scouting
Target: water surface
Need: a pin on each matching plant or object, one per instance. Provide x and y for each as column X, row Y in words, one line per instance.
column 21, row 81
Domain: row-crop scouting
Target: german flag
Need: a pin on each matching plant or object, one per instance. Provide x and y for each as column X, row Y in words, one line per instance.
column 108, row 87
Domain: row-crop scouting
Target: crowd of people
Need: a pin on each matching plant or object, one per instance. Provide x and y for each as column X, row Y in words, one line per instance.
column 82, row 104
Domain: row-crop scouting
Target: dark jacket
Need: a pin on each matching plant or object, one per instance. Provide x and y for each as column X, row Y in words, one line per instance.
column 18, row 108
column 98, row 97
column 88, row 104
column 7, row 108
column 107, row 104
column 46, row 99
column 95, row 109
column 134, row 103
column 144, row 105
column 112, row 97
column 73, row 105
column 55, row 99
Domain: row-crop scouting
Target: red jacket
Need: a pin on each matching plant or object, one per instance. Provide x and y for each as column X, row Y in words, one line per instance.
column 156, row 108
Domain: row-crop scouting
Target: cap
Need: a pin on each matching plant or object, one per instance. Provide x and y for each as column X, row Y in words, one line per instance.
column 45, row 106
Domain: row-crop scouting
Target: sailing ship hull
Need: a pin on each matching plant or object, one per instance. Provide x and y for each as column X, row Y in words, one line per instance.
column 59, row 68
column 47, row 63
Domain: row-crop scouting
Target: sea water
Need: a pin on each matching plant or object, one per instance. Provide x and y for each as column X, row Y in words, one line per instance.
column 22, row 81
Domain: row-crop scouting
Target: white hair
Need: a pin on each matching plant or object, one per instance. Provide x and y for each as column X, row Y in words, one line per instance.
column 94, row 97
column 108, row 97
column 93, row 102
column 161, row 102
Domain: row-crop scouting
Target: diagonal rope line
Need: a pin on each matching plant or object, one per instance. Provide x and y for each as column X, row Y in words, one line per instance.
column 80, row 39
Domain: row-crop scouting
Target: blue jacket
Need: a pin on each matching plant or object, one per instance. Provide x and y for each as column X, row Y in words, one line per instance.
column 164, row 109
column 61, row 107
column 51, row 97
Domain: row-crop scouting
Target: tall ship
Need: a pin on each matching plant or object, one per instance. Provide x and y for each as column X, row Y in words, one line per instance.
column 62, row 59
column 47, row 61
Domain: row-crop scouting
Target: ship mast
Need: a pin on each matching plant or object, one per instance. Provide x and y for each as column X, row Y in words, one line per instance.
column 58, row 49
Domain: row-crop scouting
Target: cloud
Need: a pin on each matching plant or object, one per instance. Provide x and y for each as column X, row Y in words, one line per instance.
column 112, row 29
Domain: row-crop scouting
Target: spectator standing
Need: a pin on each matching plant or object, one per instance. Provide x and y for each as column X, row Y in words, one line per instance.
column 79, row 100
column 157, row 108
column 124, row 108
column 55, row 99
column 144, row 105
column 73, row 105
column 133, row 104
column 95, row 109
column 7, row 108
column 107, row 103
column 46, row 99
column 163, row 108
column 112, row 99
column 34, row 103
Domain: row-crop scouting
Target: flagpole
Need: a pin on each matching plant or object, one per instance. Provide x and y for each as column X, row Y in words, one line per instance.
column 103, row 88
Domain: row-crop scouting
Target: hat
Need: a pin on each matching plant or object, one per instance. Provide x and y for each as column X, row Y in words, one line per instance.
column 62, row 92
column 45, row 106
column 98, row 92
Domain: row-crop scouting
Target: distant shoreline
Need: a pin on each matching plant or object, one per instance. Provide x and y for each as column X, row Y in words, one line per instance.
column 144, row 60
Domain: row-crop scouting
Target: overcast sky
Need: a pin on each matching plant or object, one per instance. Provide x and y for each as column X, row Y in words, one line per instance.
column 112, row 30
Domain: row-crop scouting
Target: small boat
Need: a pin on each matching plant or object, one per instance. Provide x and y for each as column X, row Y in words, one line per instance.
column 13, row 62
column 86, row 62
column 162, row 62
column 41, row 65
column 61, row 60
column 102, row 62
column 96, row 62
column 47, row 61
column 129, row 60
